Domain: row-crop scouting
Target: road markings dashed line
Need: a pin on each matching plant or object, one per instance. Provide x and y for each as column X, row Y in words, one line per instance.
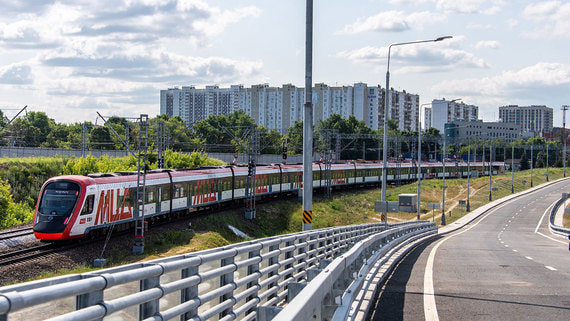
column 529, row 258
column 550, row 268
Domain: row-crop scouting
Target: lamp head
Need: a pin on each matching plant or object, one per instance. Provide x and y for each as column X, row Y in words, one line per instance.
column 443, row 38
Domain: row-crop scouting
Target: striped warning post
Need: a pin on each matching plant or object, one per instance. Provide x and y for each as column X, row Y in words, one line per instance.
column 307, row 217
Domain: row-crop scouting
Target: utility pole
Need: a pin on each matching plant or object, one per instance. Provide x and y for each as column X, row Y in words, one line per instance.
column 308, row 124
column 531, row 161
column 467, row 207
column 83, row 139
column 564, row 109
column 160, row 144
column 138, row 248
column 443, row 188
column 547, row 161
column 127, row 137
column 252, row 143
column 490, row 171
column 513, row 170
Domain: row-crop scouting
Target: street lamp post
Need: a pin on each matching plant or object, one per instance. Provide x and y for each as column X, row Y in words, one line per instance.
column 531, row 161
column 547, row 161
column 420, row 156
column 564, row 109
column 490, row 171
column 513, row 170
column 467, row 207
column 385, row 139
column 443, row 165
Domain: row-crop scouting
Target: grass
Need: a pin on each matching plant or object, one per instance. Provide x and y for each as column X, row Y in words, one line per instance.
column 353, row 206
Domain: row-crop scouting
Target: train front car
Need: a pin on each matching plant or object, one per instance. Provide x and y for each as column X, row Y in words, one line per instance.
column 58, row 208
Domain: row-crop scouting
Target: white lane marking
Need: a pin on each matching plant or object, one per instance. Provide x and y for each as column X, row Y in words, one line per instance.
column 529, row 258
column 550, row 268
column 515, row 251
column 548, row 237
column 506, row 245
column 430, row 309
column 541, row 218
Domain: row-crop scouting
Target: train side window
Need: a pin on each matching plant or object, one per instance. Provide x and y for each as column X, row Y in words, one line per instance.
column 178, row 191
column 149, row 195
column 165, row 192
column 88, row 206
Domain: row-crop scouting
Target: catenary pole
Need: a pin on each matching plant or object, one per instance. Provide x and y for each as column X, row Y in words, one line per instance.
column 308, row 124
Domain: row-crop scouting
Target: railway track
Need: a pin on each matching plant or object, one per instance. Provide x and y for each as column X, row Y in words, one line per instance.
column 16, row 233
column 27, row 254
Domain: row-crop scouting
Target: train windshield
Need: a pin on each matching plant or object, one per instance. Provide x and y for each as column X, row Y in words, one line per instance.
column 59, row 198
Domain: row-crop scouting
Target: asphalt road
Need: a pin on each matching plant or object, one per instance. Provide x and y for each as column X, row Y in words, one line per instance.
column 505, row 265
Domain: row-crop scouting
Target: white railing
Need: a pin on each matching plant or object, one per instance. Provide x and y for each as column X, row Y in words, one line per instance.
column 246, row 281
column 564, row 231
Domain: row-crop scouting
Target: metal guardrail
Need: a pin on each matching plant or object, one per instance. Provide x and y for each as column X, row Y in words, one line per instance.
column 243, row 281
column 334, row 294
column 564, row 231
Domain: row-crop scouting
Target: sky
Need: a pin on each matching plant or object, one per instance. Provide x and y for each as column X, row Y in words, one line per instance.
column 72, row 59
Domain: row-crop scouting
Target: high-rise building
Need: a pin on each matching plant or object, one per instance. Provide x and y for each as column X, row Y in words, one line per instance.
column 445, row 111
column 279, row 108
column 535, row 119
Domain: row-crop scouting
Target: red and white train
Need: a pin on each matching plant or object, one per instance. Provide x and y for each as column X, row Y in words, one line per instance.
column 74, row 206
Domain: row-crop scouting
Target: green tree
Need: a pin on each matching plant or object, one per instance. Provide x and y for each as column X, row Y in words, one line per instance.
column 524, row 164
column 214, row 130
column 294, row 138
column 101, row 136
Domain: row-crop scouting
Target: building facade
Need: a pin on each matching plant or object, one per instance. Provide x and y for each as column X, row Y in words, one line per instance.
column 535, row 119
column 279, row 107
column 444, row 111
column 458, row 132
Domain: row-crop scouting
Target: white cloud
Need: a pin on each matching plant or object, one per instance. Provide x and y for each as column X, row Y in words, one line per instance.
column 393, row 21
column 418, row 58
column 488, row 44
column 415, row 2
column 512, row 23
column 112, row 52
column 533, row 82
column 16, row 74
column 488, row 7
column 476, row 26
column 551, row 18
column 114, row 21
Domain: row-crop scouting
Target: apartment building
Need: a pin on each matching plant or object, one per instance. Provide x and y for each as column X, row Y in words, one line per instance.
column 279, row 107
column 537, row 119
column 444, row 111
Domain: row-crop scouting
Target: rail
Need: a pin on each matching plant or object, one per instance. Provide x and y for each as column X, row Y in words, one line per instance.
column 564, row 231
column 241, row 281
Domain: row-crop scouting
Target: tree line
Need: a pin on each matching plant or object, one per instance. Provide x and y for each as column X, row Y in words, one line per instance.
column 228, row 133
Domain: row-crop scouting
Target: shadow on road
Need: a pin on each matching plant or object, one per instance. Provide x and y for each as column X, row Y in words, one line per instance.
column 390, row 303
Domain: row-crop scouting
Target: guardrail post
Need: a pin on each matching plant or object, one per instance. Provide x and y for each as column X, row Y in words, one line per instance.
column 274, row 260
column 254, row 268
column 312, row 246
column 328, row 247
column 150, row 308
column 302, row 249
column 86, row 300
column 225, row 279
column 189, row 293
